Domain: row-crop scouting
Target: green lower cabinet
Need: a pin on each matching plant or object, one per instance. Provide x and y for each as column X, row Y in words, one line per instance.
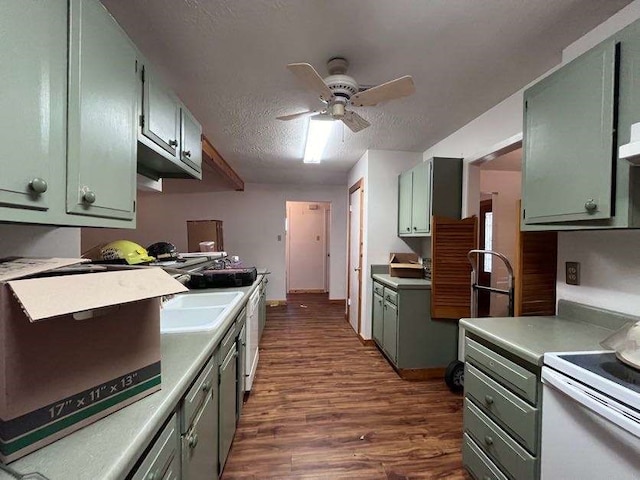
column 227, row 405
column 501, row 413
column 404, row 330
column 377, row 319
column 390, row 330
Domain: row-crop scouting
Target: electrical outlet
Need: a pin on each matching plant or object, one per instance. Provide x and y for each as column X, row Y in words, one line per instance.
column 572, row 273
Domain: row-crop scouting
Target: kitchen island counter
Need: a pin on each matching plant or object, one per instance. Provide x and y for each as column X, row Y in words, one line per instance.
column 110, row 448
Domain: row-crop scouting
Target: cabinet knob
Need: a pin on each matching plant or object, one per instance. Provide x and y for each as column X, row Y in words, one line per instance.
column 488, row 440
column 206, row 387
column 488, row 399
column 590, row 206
column 408, row 229
column 187, row 153
column 89, row 197
column 415, row 228
column 38, row 185
column 193, row 440
column 173, row 143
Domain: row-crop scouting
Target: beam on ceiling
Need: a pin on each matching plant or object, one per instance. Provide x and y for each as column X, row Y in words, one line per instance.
column 219, row 164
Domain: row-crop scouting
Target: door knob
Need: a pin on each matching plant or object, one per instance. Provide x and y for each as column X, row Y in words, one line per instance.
column 38, row 185
column 357, row 269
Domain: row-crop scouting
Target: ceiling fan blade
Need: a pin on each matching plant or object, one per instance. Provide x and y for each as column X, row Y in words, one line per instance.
column 398, row 88
column 293, row 116
column 311, row 79
column 354, row 121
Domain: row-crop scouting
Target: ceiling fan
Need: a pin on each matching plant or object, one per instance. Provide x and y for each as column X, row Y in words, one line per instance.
column 339, row 91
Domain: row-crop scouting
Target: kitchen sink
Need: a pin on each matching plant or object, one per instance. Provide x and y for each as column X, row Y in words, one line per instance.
column 197, row 312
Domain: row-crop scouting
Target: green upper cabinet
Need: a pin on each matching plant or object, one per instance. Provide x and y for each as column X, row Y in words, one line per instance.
column 433, row 187
column 102, row 141
column 569, row 141
column 161, row 109
column 405, row 202
column 574, row 121
column 421, row 205
column 170, row 138
column 33, row 90
column 191, row 140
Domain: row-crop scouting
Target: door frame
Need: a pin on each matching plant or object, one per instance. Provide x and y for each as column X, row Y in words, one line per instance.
column 359, row 185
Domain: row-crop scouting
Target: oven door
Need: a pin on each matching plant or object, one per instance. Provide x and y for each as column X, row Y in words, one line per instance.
column 586, row 435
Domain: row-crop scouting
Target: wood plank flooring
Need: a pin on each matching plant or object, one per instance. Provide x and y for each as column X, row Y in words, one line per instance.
column 324, row 406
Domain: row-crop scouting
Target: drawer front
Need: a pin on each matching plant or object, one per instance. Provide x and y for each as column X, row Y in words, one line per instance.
column 162, row 454
column 197, row 394
column 173, row 472
column 477, row 463
column 511, row 412
column 378, row 288
column 512, row 375
column 498, row 445
column 391, row 296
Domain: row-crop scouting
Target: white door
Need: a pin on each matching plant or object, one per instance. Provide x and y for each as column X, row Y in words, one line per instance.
column 307, row 246
column 355, row 260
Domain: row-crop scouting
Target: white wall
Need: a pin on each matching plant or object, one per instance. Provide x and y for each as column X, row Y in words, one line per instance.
column 252, row 221
column 39, row 241
column 607, row 287
column 380, row 170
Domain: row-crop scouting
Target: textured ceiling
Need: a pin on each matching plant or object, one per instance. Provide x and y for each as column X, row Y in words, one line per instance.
column 226, row 60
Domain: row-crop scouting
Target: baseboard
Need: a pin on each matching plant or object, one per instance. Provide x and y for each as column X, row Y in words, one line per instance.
column 308, row 290
column 337, row 301
column 276, row 303
column 367, row 342
column 415, row 374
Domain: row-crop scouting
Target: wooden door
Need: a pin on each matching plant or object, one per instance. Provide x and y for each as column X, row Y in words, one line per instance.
column 103, row 94
column 451, row 240
column 354, row 268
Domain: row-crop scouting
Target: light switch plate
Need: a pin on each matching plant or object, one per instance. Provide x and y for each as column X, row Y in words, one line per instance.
column 572, row 273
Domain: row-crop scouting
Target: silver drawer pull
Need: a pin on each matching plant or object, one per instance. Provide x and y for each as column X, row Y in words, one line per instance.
column 590, row 206
column 206, row 387
column 488, row 440
column 488, row 399
column 38, row 185
column 89, row 197
column 192, row 440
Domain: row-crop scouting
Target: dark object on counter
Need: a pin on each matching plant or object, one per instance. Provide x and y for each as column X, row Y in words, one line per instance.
column 228, row 277
column 163, row 251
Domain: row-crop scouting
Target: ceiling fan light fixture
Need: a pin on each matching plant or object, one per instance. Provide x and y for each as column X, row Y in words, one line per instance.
column 317, row 137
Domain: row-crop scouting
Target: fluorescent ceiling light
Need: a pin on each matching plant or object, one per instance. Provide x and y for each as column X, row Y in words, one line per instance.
column 317, row 137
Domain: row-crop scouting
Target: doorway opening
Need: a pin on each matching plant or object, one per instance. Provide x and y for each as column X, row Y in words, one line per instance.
column 498, row 207
column 354, row 262
column 307, row 230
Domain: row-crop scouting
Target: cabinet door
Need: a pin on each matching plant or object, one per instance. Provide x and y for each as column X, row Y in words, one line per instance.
column 161, row 112
column 191, row 141
column 390, row 330
column 200, row 444
column 33, row 79
column 421, row 198
column 241, row 368
column 568, row 141
column 101, row 162
column 227, row 409
column 405, row 188
column 377, row 319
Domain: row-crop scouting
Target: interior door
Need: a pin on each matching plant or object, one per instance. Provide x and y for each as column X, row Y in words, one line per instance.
column 355, row 257
column 306, row 247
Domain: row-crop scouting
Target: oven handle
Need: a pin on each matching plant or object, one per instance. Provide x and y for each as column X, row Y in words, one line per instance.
column 581, row 395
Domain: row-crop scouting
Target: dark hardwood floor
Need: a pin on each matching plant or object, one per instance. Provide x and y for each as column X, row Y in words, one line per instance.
column 324, row 406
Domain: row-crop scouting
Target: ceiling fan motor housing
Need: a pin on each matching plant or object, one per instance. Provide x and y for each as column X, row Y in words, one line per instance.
column 342, row 86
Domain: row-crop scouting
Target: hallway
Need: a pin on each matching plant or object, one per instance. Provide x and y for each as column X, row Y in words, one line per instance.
column 324, row 406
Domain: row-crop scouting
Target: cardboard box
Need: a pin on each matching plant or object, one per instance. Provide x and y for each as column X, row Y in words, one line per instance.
column 74, row 348
column 405, row 265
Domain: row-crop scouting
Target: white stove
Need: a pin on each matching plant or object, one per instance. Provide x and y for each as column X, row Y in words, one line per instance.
column 590, row 417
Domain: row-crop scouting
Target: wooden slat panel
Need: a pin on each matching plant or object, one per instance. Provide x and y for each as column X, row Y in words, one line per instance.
column 212, row 157
column 450, row 270
column 536, row 272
